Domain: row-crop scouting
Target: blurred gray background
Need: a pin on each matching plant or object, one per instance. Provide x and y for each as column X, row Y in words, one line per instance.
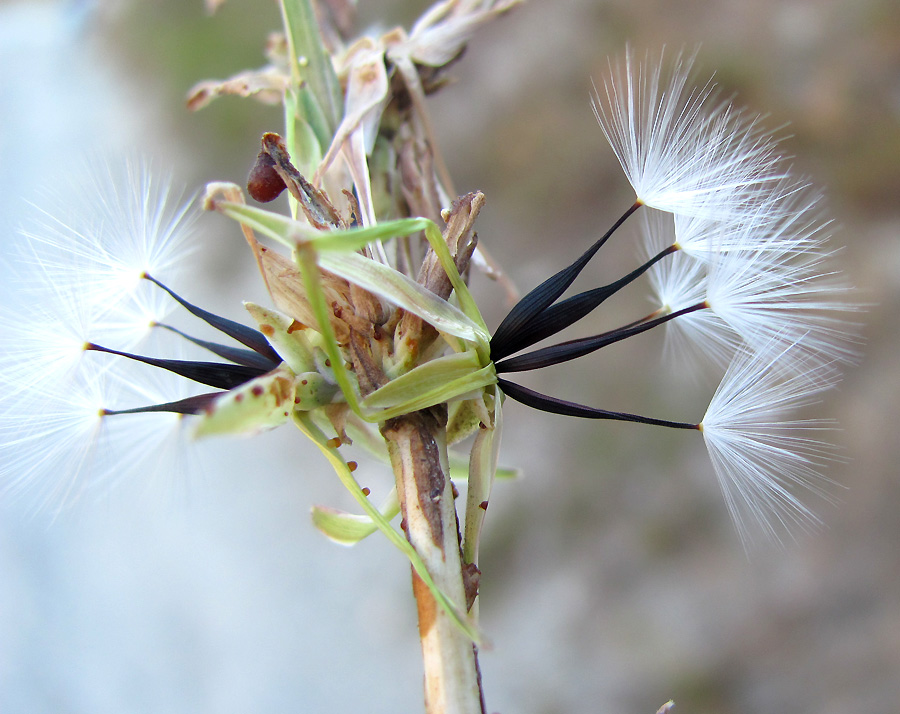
column 613, row 579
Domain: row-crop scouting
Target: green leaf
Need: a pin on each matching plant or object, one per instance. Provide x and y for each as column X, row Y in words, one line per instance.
column 313, row 79
column 465, row 417
column 276, row 226
column 350, row 528
column 428, row 377
column 395, row 287
column 434, row 382
column 309, row 272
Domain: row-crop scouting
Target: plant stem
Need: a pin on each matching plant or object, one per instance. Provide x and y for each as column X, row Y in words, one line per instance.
column 417, row 450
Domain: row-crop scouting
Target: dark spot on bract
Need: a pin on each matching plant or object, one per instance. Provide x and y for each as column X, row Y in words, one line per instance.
column 257, row 391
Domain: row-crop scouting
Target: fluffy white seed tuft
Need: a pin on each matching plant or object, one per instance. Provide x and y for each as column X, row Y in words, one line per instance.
column 763, row 458
column 685, row 150
column 771, row 301
column 79, row 279
column 99, row 238
column 766, row 281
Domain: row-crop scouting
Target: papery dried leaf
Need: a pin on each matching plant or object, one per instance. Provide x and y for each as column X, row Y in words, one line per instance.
column 419, row 184
column 442, row 33
column 460, row 239
column 367, row 94
column 266, row 85
column 286, row 287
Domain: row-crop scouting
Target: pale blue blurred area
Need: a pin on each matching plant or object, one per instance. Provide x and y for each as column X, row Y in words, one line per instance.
column 56, row 100
column 214, row 594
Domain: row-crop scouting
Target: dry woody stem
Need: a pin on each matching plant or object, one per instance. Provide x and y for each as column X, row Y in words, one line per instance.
column 417, row 448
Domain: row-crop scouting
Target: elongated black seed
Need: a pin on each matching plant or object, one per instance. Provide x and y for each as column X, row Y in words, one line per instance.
column 572, row 349
column 247, row 336
column 212, row 374
column 189, row 405
column 248, row 358
column 556, row 318
column 553, row 405
column 546, row 294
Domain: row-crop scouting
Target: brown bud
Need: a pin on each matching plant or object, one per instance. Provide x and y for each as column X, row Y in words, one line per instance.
column 264, row 184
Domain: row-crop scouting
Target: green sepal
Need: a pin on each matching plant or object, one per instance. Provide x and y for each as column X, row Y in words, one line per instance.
column 262, row 403
column 435, row 382
column 482, row 471
column 465, row 417
column 305, row 259
column 283, row 333
column 313, row 391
